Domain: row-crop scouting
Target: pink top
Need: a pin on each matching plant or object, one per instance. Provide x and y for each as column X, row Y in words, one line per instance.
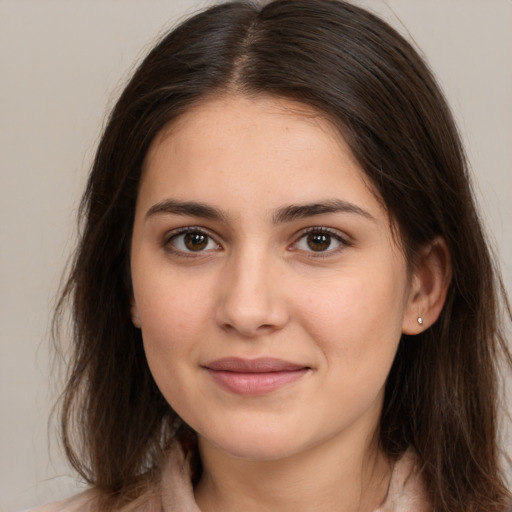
column 406, row 492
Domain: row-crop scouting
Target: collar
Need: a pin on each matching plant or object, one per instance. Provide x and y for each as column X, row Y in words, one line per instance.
column 406, row 492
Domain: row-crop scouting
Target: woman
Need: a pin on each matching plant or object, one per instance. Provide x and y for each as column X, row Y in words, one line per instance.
column 283, row 298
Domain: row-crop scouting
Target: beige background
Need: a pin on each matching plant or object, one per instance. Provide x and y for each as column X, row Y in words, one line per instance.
column 62, row 64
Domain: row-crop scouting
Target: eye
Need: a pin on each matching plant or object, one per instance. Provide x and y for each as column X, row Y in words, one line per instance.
column 189, row 240
column 320, row 240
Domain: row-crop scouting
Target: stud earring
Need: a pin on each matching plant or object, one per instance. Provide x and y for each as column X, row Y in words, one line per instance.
column 420, row 320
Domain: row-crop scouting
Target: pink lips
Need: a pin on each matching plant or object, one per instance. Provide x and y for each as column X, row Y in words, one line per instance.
column 254, row 376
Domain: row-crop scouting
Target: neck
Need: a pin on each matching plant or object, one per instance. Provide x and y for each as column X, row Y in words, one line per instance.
column 352, row 477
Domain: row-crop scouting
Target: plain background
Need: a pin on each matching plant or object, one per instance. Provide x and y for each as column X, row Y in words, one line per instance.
column 62, row 65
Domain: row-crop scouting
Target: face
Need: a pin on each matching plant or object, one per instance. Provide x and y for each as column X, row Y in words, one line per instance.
column 267, row 282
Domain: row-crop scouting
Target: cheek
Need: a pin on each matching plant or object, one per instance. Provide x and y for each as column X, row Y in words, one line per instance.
column 173, row 315
column 172, row 324
column 357, row 323
column 167, row 300
column 357, row 330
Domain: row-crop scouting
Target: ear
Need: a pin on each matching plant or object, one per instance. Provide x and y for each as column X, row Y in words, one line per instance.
column 134, row 313
column 430, row 280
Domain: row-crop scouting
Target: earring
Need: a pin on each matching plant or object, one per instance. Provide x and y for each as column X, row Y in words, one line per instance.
column 420, row 320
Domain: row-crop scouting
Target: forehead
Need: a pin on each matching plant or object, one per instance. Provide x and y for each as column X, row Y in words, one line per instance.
column 280, row 149
column 236, row 115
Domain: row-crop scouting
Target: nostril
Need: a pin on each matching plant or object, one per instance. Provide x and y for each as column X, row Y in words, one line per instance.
column 249, row 331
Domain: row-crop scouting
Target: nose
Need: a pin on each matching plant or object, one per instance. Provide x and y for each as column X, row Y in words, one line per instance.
column 251, row 299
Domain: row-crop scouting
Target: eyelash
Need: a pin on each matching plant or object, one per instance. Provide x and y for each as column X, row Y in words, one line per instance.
column 321, row 230
column 173, row 235
column 167, row 243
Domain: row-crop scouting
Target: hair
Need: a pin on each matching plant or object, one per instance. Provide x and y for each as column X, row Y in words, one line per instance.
column 442, row 394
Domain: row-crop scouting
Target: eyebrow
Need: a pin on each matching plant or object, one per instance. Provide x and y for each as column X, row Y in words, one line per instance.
column 187, row 208
column 302, row 211
column 282, row 215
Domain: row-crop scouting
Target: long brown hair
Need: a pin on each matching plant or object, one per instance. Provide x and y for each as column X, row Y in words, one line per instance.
column 442, row 393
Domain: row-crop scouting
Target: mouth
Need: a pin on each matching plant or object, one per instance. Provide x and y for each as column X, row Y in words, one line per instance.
column 254, row 376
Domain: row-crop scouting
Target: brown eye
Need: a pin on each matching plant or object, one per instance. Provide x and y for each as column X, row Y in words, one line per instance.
column 191, row 240
column 318, row 241
column 195, row 241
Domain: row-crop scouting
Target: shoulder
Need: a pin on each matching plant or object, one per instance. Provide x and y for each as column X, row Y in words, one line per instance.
column 88, row 502
column 83, row 502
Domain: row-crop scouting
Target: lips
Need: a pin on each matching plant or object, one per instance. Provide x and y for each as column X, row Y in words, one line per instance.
column 254, row 376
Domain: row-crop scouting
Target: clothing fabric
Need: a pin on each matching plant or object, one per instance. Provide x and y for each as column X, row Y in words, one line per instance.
column 406, row 492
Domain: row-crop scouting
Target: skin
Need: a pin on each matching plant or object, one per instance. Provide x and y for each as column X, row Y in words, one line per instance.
column 256, row 288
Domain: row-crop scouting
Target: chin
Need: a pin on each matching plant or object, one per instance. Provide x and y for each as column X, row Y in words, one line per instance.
column 267, row 453
column 256, row 446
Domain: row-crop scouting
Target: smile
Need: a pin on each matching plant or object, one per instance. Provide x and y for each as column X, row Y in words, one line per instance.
column 254, row 377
